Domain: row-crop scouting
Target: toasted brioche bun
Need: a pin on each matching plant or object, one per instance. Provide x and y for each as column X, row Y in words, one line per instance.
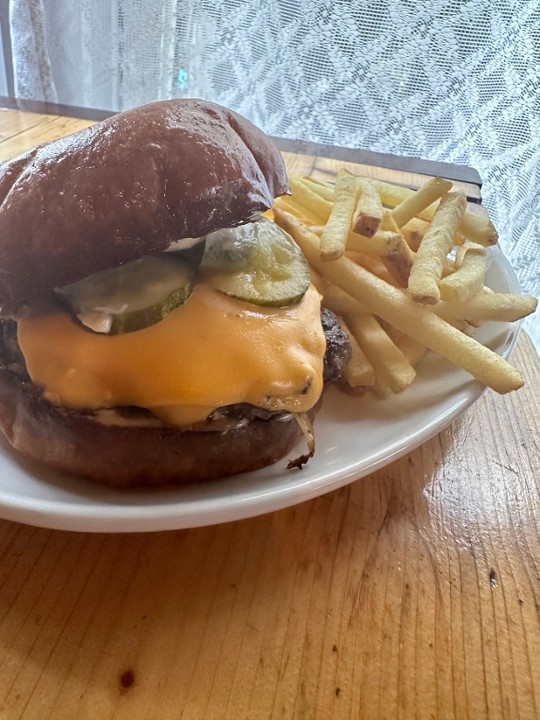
column 126, row 457
column 128, row 187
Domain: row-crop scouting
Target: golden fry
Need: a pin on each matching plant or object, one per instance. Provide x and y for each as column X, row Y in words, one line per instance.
column 413, row 350
column 414, row 231
column 477, row 228
column 380, row 388
column 390, row 245
column 468, row 280
column 291, row 205
column 498, row 307
column 325, row 190
column 428, row 265
column 369, row 210
column 380, row 244
column 398, row 309
column 462, row 249
column 317, row 206
column 399, row 258
column 359, row 372
column 374, row 264
column 420, row 200
column 334, row 235
column 389, row 363
column 337, row 300
column 399, row 263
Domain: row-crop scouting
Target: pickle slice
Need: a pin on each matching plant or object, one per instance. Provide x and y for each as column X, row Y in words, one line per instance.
column 132, row 296
column 258, row 263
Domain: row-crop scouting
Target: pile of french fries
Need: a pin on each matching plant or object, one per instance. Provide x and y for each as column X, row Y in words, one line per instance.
column 404, row 271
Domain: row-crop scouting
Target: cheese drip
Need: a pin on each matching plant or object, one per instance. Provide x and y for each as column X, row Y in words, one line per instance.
column 211, row 352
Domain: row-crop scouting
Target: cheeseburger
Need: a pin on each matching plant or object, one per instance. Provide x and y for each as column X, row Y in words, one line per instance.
column 154, row 327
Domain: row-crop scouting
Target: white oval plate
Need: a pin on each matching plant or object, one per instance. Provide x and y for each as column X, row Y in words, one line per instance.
column 355, row 436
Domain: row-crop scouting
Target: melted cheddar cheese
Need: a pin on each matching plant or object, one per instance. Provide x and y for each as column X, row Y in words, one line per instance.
column 211, row 352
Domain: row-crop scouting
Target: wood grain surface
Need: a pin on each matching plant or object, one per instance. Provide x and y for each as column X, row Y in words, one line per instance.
column 412, row 593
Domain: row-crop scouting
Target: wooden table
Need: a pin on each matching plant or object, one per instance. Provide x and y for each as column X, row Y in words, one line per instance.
column 413, row 593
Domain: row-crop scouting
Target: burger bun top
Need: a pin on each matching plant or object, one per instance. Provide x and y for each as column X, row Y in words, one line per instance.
column 128, row 187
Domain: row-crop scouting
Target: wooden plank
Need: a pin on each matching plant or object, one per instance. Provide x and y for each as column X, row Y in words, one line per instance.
column 13, row 122
column 45, row 130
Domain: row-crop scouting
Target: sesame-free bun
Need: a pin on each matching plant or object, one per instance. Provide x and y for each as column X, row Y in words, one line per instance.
column 131, row 456
column 128, row 187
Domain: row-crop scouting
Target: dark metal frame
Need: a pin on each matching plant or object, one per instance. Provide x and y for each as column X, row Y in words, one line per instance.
column 458, row 173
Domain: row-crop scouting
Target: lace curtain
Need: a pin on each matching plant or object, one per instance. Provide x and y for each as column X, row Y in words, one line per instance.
column 450, row 80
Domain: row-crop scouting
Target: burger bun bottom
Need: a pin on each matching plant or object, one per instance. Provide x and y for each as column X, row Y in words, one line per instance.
column 134, row 456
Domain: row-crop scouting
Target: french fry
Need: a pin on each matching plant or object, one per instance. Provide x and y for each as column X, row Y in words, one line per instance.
column 497, row 307
column 358, row 372
column 397, row 308
column 291, row 205
column 477, row 228
column 334, row 235
column 389, row 363
column 389, row 244
column 387, row 360
column 381, row 389
column 399, row 258
column 413, row 350
column 414, row 231
column 337, row 300
column 380, row 244
column 304, row 195
column 322, row 189
column 374, row 264
column 468, row 280
column 391, row 195
column 411, row 207
column 369, row 210
column 461, row 251
column 428, row 265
